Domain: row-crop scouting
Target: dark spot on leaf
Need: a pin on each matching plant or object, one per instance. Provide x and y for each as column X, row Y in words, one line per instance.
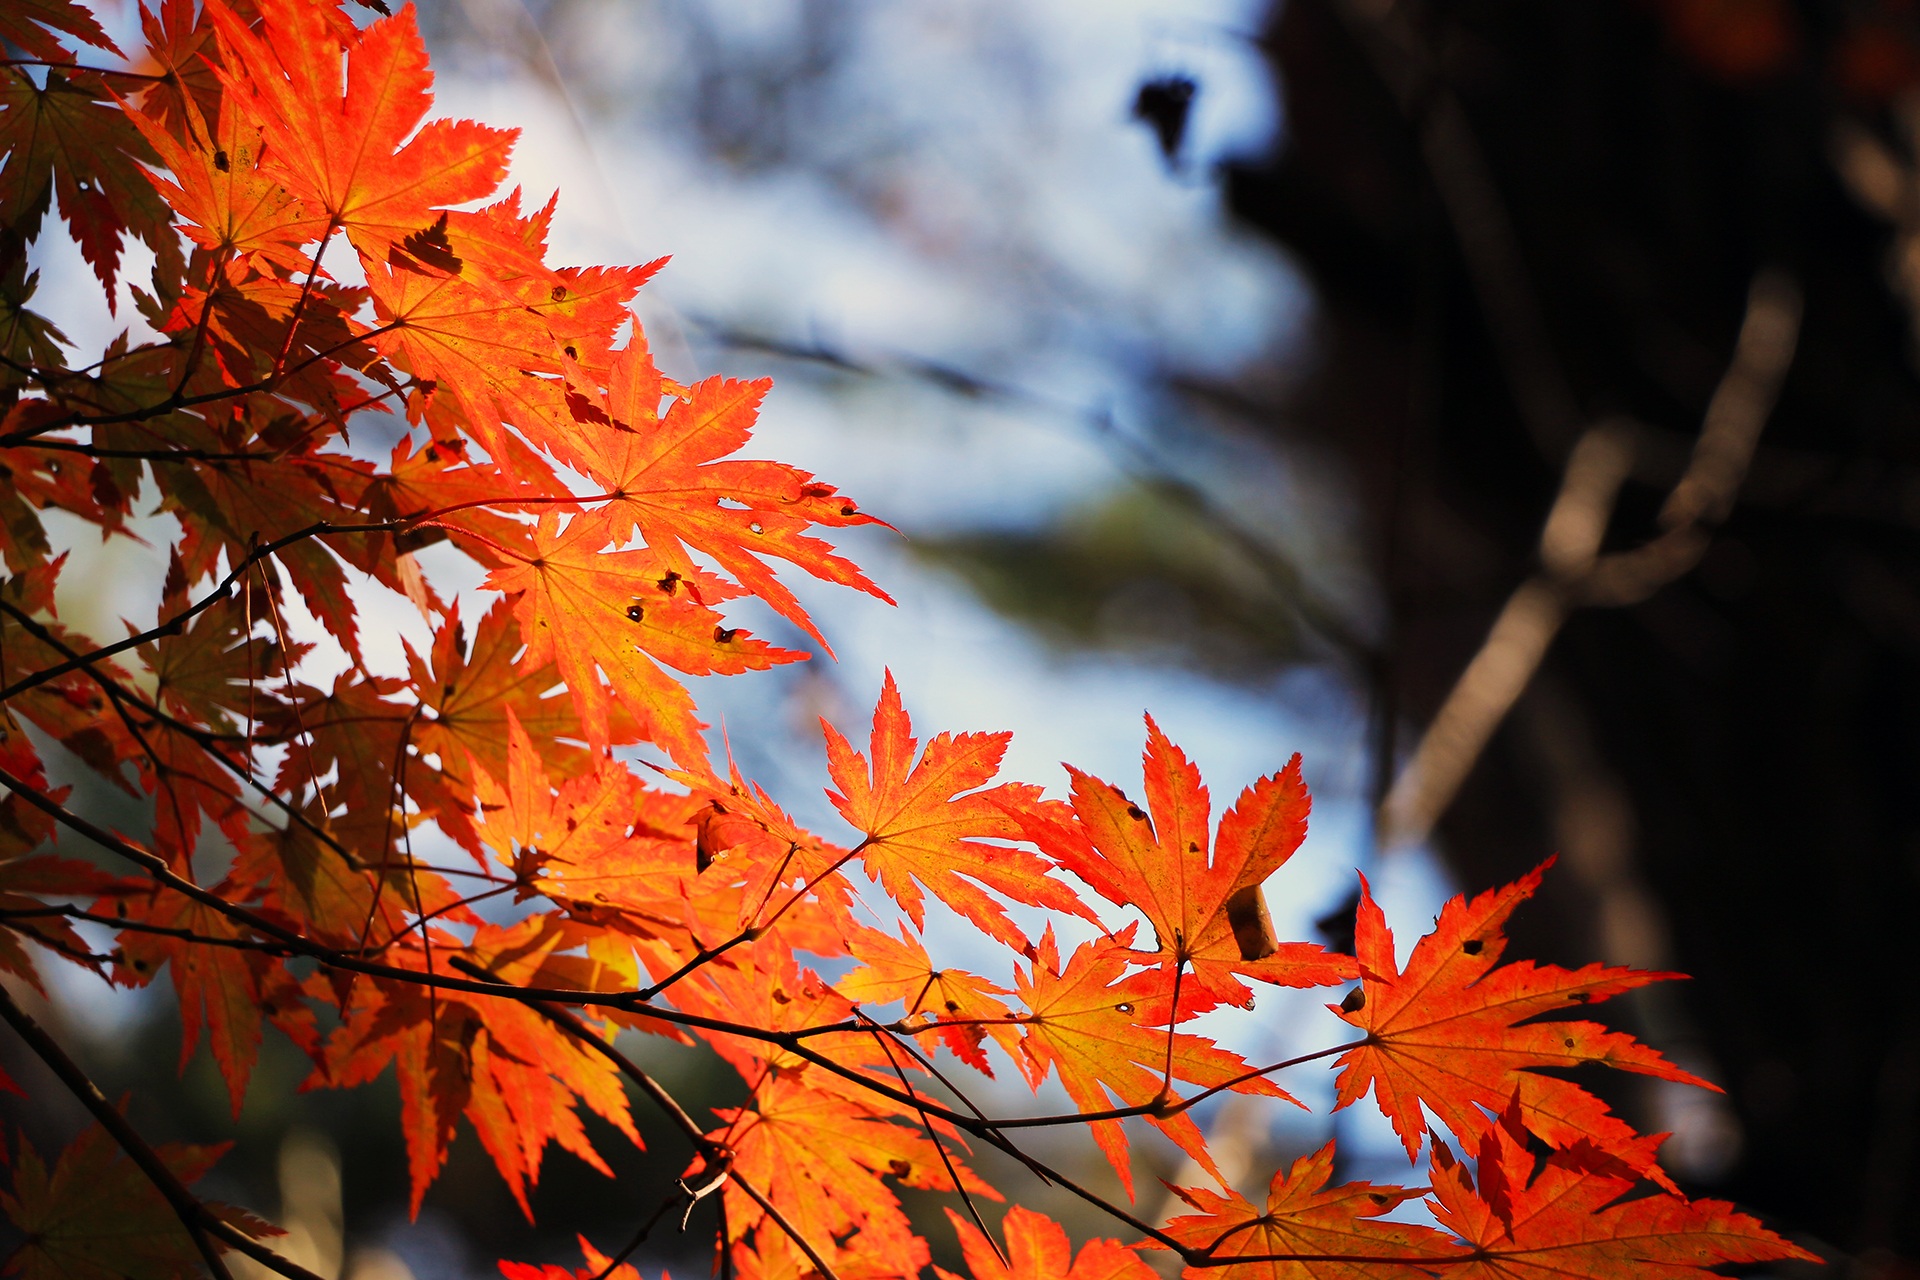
column 571, row 353
column 724, row 635
column 781, row 997
column 559, row 294
column 900, row 1168
column 953, row 1006
column 1568, row 1042
column 221, row 162
column 1123, row 1007
column 1376, row 1197
column 670, row 583
column 635, row 613
column 1579, row 997
column 1193, row 846
column 1133, row 811
column 848, row 509
column 1472, row 946
column 1356, row 1001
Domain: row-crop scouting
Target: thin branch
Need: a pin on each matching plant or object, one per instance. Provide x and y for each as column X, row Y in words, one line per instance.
column 93, row 71
column 1573, row 573
column 933, row 1136
column 199, row 1221
column 753, row 933
column 138, row 926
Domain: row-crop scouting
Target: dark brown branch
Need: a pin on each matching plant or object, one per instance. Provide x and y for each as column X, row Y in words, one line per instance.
column 933, row 1136
column 140, row 926
column 200, row 1222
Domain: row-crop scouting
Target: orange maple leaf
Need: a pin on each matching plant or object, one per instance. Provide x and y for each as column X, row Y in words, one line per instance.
column 605, row 847
column 961, row 1003
column 1443, row 1033
column 1099, row 1034
column 1307, row 1218
column 589, row 611
column 1562, row 1222
column 515, row 1076
column 354, row 150
column 821, row 1156
column 471, row 685
column 675, row 483
column 228, row 991
column 1038, row 1249
column 924, row 822
column 1209, row 917
column 215, row 186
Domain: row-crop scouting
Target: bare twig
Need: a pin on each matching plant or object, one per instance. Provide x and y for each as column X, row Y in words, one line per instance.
column 1573, row 572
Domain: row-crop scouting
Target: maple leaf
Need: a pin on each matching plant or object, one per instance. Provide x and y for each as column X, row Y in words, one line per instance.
column 1446, row 1032
column 924, row 822
column 96, row 1216
column 865, row 1255
column 1097, row 1033
column 590, row 611
column 1038, row 1249
column 336, row 899
column 65, row 138
column 1304, row 1216
column 227, row 990
column 744, row 837
column 480, row 341
column 30, row 24
column 206, row 671
column 354, row 150
column 227, row 507
column 214, row 184
column 961, row 1003
column 1208, row 914
column 674, row 483
column 765, row 986
column 1565, row 1220
column 349, row 752
column 21, row 878
column 822, row 1157
column 606, row 847
column 470, row 689
column 181, row 52
column 515, row 1076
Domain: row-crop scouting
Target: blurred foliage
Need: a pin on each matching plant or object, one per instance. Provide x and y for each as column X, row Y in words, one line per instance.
column 1132, row 572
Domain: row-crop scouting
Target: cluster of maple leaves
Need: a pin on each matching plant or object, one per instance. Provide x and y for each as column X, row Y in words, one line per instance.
column 321, row 254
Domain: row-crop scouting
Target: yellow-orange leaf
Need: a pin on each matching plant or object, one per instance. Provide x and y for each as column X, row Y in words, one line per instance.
column 924, row 822
column 1444, row 1032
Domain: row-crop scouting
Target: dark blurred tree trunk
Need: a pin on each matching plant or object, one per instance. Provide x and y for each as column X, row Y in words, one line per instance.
column 1732, row 768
